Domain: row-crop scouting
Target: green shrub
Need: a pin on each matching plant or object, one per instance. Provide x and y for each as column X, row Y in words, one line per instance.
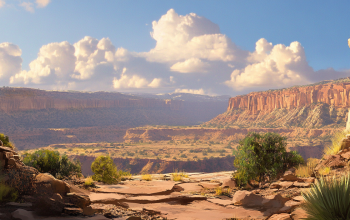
column 6, row 141
column 328, row 199
column 106, row 171
column 259, row 156
column 48, row 161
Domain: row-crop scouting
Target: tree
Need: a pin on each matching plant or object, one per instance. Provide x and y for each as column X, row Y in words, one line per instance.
column 261, row 156
column 105, row 170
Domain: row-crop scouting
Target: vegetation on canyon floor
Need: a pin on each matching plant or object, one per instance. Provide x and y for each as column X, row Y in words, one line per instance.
column 106, row 171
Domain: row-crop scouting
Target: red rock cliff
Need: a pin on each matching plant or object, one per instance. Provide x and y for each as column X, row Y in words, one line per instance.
column 333, row 94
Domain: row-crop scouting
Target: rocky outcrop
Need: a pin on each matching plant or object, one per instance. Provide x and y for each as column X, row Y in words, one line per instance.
column 313, row 106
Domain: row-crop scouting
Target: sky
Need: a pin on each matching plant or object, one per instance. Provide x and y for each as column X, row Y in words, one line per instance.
column 224, row 47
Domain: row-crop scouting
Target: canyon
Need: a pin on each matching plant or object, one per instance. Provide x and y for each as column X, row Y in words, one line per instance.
column 35, row 118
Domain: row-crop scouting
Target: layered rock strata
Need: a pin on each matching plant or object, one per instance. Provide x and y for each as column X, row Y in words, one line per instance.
column 313, row 106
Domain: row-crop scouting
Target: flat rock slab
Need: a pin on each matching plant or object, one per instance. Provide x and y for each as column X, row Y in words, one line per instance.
column 209, row 185
column 222, row 202
column 190, row 187
column 120, row 200
column 203, row 210
column 105, row 197
column 179, row 198
column 139, row 188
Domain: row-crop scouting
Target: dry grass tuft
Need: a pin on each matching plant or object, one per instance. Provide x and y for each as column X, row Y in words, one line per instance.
column 147, row 177
column 334, row 148
column 308, row 169
column 324, row 171
column 177, row 176
column 89, row 181
column 222, row 191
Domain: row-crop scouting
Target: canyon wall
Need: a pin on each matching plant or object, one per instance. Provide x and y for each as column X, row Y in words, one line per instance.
column 313, row 106
column 32, row 114
column 334, row 94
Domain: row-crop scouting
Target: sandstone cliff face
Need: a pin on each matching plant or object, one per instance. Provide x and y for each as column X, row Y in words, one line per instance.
column 332, row 94
column 314, row 106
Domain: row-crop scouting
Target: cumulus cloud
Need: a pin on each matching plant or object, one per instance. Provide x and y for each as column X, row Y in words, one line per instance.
column 129, row 80
column 10, row 60
column 56, row 61
column 191, row 36
column 190, row 66
column 28, row 6
column 42, row 3
column 277, row 66
column 92, row 54
column 192, row 91
column 190, row 56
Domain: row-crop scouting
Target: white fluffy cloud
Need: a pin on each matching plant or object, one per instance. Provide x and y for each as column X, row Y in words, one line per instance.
column 277, row 66
column 42, row 3
column 10, row 60
column 56, row 61
column 190, row 56
column 28, row 6
column 192, row 91
column 128, row 80
column 191, row 36
column 90, row 54
column 190, row 66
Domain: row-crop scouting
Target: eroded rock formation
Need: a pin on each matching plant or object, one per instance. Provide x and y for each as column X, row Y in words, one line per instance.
column 313, row 106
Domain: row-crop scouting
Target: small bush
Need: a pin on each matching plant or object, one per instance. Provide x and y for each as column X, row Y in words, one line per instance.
column 146, row 177
column 222, row 191
column 89, row 181
column 259, row 156
column 48, row 161
column 328, row 198
column 6, row 141
column 106, row 171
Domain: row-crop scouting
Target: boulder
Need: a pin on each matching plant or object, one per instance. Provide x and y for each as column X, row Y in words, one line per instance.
column 48, row 206
column 301, row 185
column 229, row 182
column 279, row 185
column 298, row 214
column 80, row 200
column 57, row 186
column 289, row 175
column 299, row 199
column 345, row 143
column 282, row 216
column 332, row 161
column 88, row 210
column 247, row 199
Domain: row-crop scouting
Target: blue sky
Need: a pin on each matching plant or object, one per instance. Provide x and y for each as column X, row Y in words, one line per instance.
column 319, row 27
